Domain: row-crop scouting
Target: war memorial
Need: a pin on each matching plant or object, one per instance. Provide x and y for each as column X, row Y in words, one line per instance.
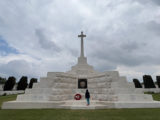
column 66, row 90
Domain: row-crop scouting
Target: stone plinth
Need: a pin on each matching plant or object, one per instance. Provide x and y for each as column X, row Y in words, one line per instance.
column 57, row 90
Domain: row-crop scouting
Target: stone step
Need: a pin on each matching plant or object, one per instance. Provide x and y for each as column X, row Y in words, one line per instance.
column 82, row 91
column 134, row 97
column 33, row 97
column 58, row 80
column 40, row 97
column 40, row 85
column 39, row 90
column 101, row 97
column 64, row 91
column 49, row 97
column 31, row 105
column 67, row 92
column 61, row 104
column 54, row 85
column 103, row 79
column 64, row 85
column 60, row 74
column 82, row 104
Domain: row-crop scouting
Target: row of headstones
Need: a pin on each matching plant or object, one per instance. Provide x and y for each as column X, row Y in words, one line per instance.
column 21, row 85
column 147, row 81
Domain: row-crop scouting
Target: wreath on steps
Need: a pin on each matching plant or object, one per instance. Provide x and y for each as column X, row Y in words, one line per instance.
column 77, row 97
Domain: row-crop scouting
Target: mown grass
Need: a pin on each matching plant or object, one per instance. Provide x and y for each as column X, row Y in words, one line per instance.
column 156, row 96
column 61, row 114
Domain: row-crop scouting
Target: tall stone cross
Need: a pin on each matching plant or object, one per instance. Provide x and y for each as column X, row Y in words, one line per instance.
column 82, row 46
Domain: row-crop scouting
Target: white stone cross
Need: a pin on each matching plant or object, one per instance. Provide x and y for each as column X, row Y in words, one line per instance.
column 82, row 47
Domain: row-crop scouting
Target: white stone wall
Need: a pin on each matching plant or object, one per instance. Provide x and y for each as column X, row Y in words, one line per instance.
column 11, row 92
column 1, row 87
column 155, row 90
column 107, row 86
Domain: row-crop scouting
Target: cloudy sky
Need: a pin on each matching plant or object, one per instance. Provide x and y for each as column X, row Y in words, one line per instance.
column 37, row 36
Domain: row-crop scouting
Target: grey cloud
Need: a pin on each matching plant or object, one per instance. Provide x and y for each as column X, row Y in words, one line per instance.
column 156, row 2
column 130, row 47
column 101, row 64
column 154, row 27
column 118, row 32
column 74, row 52
column 119, row 56
column 123, row 54
column 17, row 68
column 45, row 42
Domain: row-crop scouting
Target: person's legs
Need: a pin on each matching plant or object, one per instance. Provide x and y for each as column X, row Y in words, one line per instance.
column 88, row 101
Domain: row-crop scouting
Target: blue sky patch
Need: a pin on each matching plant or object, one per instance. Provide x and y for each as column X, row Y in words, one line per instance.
column 5, row 49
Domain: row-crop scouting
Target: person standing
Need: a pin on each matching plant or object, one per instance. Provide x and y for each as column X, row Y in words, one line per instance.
column 87, row 96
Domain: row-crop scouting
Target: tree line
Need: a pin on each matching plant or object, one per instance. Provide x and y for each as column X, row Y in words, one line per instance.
column 147, row 81
column 21, row 85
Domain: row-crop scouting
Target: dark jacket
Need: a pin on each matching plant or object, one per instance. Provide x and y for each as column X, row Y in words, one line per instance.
column 87, row 94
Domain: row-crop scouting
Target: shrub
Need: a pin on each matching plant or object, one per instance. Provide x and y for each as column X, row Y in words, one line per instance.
column 22, row 84
column 9, row 84
column 2, row 80
column 33, row 80
column 148, row 82
column 4, row 94
column 137, row 83
column 158, row 81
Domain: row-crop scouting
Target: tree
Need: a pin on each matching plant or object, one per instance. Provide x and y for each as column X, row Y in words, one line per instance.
column 137, row 83
column 22, row 84
column 158, row 81
column 2, row 80
column 33, row 80
column 9, row 84
column 148, row 82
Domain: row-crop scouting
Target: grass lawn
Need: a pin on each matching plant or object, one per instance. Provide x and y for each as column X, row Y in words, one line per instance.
column 156, row 96
column 60, row 114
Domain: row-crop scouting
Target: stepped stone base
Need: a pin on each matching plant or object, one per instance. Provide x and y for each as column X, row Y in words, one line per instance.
column 107, row 90
column 81, row 104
